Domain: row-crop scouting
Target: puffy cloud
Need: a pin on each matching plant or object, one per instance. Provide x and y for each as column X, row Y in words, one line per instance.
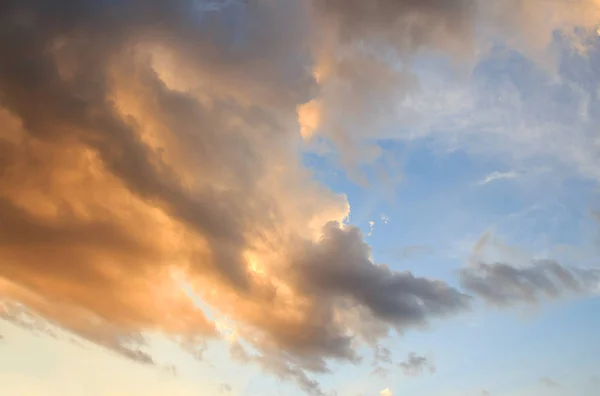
column 148, row 160
column 146, row 142
column 386, row 392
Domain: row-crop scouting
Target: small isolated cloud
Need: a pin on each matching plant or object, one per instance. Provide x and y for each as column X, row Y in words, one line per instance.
column 485, row 393
column 496, row 175
column 416, row 365
column 384, row 219
column 371, row 228
column 550, row 383
column 386, row 392
column 224, row 388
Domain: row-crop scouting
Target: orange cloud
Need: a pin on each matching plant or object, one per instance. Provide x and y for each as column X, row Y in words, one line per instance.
column 149, row 161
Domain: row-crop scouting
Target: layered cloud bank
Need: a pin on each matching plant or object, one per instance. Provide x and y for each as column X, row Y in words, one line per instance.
column 149, row 145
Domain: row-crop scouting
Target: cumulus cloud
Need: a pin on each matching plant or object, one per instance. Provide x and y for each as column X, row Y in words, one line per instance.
column 145, row 142
column 148, row 142
column 415, row 365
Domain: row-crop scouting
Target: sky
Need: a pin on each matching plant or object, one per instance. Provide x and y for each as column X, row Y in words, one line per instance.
column 299, row 197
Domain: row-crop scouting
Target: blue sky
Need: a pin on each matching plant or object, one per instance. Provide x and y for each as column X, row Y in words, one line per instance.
column 186, row 206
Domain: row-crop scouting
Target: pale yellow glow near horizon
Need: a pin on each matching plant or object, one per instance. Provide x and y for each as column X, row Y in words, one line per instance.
column 68, row 366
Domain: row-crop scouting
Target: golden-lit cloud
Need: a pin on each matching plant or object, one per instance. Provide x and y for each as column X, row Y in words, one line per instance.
column 149, row 160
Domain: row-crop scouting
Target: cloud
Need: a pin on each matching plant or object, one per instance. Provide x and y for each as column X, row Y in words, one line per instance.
column 505, row 285
column 513, row 110
column 224, row 388
column 362, row 64
column 550, row 383
column 149, row 142
column 416, row 365
column 505, row 276
column 145, row 141
column 494, row 176
column 382, row 356
column 386, row 392
column 365, row 51
column 380, row 371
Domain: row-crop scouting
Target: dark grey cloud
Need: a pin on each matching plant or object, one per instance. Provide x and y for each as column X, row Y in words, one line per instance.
column 415, row 365
column 340, row 263
column 505, row 285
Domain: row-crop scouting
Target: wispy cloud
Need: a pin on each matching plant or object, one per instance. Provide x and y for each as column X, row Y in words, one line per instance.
column 415, row 365
column 371, row 228
column 550, row 383
column 496, row 176
column 508, row 278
